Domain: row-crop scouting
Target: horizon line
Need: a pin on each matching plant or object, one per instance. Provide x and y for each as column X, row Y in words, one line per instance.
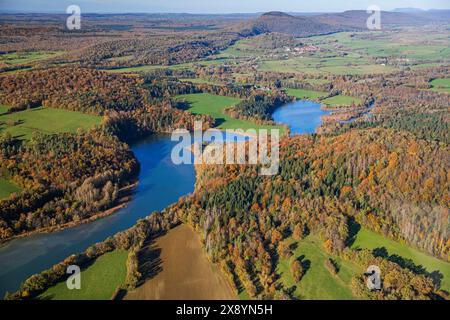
column 208, row 13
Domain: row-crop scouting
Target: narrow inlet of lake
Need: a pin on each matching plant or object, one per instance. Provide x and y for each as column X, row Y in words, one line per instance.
column 301, row 116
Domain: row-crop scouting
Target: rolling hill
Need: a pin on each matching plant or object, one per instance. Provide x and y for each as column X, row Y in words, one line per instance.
column 358, row 18
column 284, row 23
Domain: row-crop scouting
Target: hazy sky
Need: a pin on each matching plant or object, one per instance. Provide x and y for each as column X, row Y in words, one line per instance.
column 214, row 6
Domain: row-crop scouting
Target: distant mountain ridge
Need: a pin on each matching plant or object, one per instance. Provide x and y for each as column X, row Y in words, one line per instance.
column 352, row 20
column 358, row 18
column 408, row 10
column 281, row 22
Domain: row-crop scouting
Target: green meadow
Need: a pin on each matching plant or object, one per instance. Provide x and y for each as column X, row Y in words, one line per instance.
column 19, row 58
column 3, row 109
column 318, row 282
column 325, row 65
column 99, row 281
column 441, row 85
column 410, row 46
column 242, row 49
column 149, row 68
column 306, row 94
column 316, row 63
column 341, row 101
column 370, row 240
column 7, row 188
column 22, row 124
column 344, row 53
column 214, row 106
column 350, row 53
column 200, row 80
column 145, row 68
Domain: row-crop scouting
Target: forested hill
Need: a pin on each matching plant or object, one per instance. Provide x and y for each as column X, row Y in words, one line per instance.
column 284, row 23
column 304, row 26
column 358, row 18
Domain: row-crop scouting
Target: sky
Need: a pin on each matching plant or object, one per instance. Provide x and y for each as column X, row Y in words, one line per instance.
column 214, row 6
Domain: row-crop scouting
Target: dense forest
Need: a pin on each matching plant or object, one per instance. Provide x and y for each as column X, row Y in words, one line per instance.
column 383, row 180
column 67, row 178
column 162, row 50
column 78, row 89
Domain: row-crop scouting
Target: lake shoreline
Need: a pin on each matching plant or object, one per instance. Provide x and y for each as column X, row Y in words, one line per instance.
column 122, row 202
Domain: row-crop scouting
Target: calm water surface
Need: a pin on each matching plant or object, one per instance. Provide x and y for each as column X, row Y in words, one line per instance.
column 301, row 116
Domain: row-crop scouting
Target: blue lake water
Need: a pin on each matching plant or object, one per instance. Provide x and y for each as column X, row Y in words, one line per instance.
column 301, row 116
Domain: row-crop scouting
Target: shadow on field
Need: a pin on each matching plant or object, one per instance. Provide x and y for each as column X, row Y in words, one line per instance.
column 219, row 121
column 436, row 276
column 354, row 228
column 149, row 260
column 183, row 105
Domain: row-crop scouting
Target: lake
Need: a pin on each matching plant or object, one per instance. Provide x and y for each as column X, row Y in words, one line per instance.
column 161, row 183
column 301, row 116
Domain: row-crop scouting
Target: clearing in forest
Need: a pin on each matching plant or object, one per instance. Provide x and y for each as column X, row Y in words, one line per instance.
column 7, row 188
column 99, row 281
column 306, row 94
column 341, row 101
column 22, row 124
column 214, row 105
column 367, row 239
column 441, row 85
column 318, row 282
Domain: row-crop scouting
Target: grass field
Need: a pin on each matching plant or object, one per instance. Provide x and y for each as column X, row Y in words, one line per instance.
column 306, row 94
column 3, row 109
column 200, row 80
column 325, row 65
column 7, row 188
column 408, row 45
column 349, row 53
column 148, row 68
column 98, row 282
column 329, row 62
column 213, row 105
column 47, row 120
column 318, row 282
column 135, row 69
column 341, row 101
column 370, row 240
column 441, row 85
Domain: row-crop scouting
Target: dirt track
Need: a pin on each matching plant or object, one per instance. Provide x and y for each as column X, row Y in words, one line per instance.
column 178, row 269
